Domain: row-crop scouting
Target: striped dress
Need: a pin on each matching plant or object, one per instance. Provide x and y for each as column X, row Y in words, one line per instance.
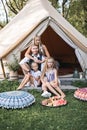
column 50, row 75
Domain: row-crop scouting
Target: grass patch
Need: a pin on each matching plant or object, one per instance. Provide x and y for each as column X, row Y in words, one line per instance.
column 73, row 116
column 79, row 83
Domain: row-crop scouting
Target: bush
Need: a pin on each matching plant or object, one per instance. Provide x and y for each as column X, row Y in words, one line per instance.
column 13, row 66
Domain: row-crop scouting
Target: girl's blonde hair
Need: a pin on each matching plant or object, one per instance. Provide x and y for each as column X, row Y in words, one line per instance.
column 51, row 59
column 45, row 66
column 38, row 37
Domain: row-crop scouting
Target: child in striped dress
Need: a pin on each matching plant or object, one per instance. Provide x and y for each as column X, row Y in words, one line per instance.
column 50, row 80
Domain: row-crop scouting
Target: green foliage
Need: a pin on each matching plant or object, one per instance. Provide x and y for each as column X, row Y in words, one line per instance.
column 16, row 5
column 14, row 65
column 55, row 3
column 73, row 116
column 80, row 83
column 75, row 11
column 77, row 16
column 6, row 85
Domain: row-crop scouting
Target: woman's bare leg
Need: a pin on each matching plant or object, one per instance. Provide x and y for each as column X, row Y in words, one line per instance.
column 55, row 85
column 60, row 91
column 25, row 68
column 52, row 89
column 44, row 88
column 24, row 81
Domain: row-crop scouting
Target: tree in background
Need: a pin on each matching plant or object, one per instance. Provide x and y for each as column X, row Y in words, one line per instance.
column 84, row 4
column 77, row 15
column 75, row 11
column 15, row 5
column 6, row 15
column 55, row 3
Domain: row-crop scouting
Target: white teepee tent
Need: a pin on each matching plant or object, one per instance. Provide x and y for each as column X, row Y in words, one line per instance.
column 64, row 42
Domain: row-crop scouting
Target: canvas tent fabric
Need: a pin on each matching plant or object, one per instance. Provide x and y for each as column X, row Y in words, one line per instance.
column 39, row 17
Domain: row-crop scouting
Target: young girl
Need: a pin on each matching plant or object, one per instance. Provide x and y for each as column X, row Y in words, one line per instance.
column 42, row 50
column 33, row 77
column 49, row 80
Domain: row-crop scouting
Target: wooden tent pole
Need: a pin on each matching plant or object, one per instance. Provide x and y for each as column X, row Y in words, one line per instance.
column 3, row 68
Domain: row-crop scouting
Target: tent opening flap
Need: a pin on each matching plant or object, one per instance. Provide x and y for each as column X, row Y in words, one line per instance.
column 60, row 50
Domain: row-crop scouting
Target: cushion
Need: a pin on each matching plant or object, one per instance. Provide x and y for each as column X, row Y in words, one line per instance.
column 81, row 94
column 16, row 99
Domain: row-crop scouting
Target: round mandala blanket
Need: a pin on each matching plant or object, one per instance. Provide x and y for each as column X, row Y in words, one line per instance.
column 16, row 99
column 81, row 94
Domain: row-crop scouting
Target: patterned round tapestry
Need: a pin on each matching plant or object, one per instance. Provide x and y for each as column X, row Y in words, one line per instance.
column 16, row 99
column 81, row 94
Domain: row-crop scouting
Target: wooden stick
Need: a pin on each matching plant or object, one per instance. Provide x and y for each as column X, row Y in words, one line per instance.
column 3, row 68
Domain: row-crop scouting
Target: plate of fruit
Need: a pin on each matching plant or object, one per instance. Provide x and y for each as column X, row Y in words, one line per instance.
column 54, row 102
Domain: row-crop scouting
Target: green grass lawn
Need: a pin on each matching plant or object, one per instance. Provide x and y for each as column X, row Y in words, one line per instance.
column 73, row 116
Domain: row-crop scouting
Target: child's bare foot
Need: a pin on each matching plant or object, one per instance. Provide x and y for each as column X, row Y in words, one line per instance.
column 63, row 96
column 58, row 96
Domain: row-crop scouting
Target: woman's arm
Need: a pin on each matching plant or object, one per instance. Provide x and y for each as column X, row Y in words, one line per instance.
column 27, row 53
column 46, row 51
column 56, row 75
